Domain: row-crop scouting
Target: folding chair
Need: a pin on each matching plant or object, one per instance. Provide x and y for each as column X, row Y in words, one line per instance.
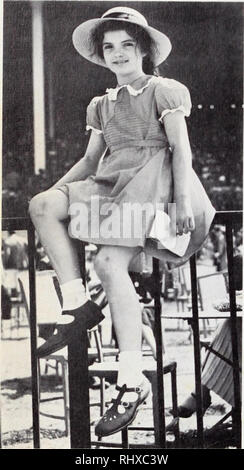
column 203, row 271
column 211, row 287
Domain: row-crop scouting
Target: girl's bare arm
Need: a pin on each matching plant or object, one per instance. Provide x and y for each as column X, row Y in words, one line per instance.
column 87, row 165
column 176, row 131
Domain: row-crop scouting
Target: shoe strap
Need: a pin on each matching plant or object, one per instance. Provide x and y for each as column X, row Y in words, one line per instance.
column 117, row 401
column 124, row 388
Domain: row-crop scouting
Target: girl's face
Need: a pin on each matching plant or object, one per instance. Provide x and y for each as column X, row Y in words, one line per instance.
column 122, row 55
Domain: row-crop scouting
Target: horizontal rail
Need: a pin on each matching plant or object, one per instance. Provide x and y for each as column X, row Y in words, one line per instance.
column 225, row 217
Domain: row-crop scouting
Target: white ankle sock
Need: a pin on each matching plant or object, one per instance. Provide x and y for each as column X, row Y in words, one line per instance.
column 130, row 372
column 73, row 294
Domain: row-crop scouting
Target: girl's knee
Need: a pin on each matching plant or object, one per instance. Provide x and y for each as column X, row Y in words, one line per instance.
column 39, row 205
column 105, row 266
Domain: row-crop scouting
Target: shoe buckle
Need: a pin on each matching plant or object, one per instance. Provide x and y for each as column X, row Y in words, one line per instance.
column 138, row 389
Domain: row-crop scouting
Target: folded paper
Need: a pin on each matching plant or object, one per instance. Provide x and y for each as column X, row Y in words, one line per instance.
column 164, row 232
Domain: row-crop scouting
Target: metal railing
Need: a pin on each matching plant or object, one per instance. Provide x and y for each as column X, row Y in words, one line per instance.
column 78, row 353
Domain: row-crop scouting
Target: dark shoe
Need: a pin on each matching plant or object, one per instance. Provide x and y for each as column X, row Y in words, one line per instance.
column 190, row 406
column 113, row 421
column 87, row 316
column 172, row 426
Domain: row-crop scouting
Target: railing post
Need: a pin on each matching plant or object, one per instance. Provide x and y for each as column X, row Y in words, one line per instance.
column 79, row 391
column 175, row 403
column 79, row 379
column 197, row 353
column 0, row 419
column 159, row 349
column 234, row 335
column 33, row 336
column 125, row 440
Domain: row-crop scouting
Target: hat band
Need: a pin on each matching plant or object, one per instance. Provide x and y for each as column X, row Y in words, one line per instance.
column 126, row 16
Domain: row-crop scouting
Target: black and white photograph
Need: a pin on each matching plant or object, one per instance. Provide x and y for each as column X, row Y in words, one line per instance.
column 122, row 238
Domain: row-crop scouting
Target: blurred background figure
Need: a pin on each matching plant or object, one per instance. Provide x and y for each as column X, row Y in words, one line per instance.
column 239, row 242
column 42, row 260
column 14, row 259
column 217, row 374
column 219, row 242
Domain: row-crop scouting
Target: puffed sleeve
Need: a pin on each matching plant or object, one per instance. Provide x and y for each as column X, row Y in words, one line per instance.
column 93, row 121
column 172, row 96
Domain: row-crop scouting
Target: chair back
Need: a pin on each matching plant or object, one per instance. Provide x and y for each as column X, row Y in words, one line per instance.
column 98, row 342
column 47, row 303
column 211, row 288
column 185, row 274
column 24, row 299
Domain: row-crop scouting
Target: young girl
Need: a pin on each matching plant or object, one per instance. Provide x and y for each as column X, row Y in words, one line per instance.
column 139, row 128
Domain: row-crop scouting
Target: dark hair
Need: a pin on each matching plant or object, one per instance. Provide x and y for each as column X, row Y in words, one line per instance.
column 143, row 39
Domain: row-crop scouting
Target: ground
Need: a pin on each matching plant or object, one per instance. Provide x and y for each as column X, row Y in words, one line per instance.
column 16, row 414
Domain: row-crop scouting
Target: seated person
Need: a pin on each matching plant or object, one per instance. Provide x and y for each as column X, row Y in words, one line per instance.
column 217, row 375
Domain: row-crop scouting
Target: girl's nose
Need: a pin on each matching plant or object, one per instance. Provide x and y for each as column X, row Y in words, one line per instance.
column 118, row 52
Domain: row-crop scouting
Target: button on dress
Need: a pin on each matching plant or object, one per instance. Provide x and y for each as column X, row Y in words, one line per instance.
column 117, row 205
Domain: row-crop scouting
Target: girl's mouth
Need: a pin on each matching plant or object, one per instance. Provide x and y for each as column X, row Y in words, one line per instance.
column 119, row 62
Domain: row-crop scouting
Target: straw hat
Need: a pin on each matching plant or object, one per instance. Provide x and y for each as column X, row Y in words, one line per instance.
column 82, row 34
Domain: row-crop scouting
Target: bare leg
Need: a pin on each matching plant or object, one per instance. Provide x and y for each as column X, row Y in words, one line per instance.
column 111, row 265
column 48, row 212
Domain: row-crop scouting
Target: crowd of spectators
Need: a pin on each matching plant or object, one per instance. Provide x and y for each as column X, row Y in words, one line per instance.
column 21, row 183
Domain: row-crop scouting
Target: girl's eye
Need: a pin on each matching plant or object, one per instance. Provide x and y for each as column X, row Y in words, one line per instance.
column 107, row 46
column 128, row 44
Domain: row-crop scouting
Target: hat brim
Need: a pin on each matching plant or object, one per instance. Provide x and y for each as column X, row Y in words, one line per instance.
column 83, row 42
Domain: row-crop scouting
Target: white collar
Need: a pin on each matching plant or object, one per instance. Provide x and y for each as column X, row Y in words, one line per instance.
column 113, row 92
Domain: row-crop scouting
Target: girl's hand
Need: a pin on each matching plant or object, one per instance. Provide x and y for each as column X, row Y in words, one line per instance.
column 184, row 217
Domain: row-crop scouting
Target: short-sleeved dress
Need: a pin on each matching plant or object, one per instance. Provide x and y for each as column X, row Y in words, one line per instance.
column 114, row 206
